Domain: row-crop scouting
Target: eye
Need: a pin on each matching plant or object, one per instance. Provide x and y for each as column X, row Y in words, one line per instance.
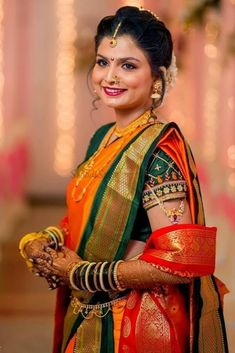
column 101, row 62
column 129, row 66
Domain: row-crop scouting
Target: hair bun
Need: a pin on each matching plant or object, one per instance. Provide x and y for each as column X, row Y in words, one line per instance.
column 126, row 12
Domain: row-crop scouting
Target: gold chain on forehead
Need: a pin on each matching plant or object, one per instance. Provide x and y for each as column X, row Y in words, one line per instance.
column 113, row 41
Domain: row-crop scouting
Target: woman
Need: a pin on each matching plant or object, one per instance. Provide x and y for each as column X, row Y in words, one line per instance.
column 133, row 259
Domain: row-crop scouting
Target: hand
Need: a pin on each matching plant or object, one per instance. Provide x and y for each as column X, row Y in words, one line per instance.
column 36, row 249
column 56, row 272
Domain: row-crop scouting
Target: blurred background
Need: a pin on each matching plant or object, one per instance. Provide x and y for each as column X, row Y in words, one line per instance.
column 46, row 121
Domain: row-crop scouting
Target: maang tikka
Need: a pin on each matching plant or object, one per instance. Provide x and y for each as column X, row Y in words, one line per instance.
column 113, row 41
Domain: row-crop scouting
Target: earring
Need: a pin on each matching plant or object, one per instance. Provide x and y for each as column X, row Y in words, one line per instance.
column 157, row 90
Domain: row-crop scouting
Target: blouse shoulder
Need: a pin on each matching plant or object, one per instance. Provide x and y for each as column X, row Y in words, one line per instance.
column 163, row 180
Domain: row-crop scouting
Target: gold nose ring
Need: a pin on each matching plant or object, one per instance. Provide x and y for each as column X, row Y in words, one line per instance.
column 115, row 80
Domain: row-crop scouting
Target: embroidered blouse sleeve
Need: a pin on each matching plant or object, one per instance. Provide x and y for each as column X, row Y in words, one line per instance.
column 164, row 179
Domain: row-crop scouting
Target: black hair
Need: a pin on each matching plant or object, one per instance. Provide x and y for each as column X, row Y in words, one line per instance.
column 149, row 33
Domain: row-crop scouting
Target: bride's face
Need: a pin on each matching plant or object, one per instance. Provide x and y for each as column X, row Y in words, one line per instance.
column 122, row 76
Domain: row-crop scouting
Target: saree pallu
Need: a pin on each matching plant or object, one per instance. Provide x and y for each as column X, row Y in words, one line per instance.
column 100, row 227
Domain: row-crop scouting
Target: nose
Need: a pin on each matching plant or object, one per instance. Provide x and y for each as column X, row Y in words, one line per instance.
column 110, row 75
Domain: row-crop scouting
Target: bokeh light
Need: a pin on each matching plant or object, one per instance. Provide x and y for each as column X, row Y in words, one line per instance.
column 65, row 88
column 1, row 75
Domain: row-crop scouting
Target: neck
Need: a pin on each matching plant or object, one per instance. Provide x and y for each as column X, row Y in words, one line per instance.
column 126, row 116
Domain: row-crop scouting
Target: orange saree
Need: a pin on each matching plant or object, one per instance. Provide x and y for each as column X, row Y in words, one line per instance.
column 99, row 228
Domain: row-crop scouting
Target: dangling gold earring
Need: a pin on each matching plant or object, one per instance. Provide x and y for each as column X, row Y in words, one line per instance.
column 157, row 90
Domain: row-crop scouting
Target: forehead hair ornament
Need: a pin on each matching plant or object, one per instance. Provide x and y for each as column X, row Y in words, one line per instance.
column 151, row 12
column 113, row 41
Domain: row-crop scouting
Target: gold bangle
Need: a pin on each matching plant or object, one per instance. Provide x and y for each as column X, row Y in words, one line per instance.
column 115, row 276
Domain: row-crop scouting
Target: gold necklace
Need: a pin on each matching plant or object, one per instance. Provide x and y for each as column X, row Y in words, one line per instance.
column 89, row 164
column 142, row 120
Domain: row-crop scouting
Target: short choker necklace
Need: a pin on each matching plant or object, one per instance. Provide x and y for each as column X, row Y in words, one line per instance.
column 142, row 120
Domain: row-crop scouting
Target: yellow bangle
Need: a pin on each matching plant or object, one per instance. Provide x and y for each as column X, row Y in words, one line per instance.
column 28, row 238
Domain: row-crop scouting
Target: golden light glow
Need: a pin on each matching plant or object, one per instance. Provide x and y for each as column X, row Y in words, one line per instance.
column 231, row 156
column 65, row 88
column 1, row 75
column 231, row 180
column 231, row 103
column 211, row 51
column 211, row 100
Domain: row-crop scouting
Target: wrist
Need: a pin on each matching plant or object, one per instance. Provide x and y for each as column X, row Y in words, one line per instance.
column 92, row 276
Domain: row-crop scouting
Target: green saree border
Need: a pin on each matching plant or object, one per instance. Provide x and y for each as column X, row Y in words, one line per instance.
column 102, row 188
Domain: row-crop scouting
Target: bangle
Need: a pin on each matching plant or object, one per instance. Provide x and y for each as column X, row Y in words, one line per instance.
column 72, row 273
column 118, row 286
column 96, row 275
column 27, row 239
column 88, row 287
column 110, row 276
column 80, row 276
column 71, row 277
column 58, row 233
column 52, row 238
column 101, row 277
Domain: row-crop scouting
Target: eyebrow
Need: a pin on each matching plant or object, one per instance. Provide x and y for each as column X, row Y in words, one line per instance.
column 119, row 59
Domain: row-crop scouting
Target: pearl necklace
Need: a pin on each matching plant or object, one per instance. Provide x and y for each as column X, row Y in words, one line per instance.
column 87, row 166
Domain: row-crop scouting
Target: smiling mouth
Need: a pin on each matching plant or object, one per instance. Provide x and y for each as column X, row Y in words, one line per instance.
column 113, row 92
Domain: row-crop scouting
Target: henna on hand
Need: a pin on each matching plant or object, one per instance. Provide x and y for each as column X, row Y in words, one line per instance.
column 36, row 249
column 61, row 261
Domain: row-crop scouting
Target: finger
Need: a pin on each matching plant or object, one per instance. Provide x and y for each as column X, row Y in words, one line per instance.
column 52, row 285
column 41, row 256
column 51, row 245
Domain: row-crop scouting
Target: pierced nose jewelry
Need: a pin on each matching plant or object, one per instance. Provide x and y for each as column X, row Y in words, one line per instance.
column 111, row 59
column 113, row 41
column 114, row 80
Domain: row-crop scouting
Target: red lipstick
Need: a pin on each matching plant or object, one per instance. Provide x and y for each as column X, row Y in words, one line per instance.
column 113, row 92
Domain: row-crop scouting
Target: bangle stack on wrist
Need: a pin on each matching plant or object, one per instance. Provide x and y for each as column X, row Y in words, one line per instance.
column 93, row 277
column 55, row 235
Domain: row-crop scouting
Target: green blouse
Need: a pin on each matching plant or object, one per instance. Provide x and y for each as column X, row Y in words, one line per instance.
column 164, row 179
